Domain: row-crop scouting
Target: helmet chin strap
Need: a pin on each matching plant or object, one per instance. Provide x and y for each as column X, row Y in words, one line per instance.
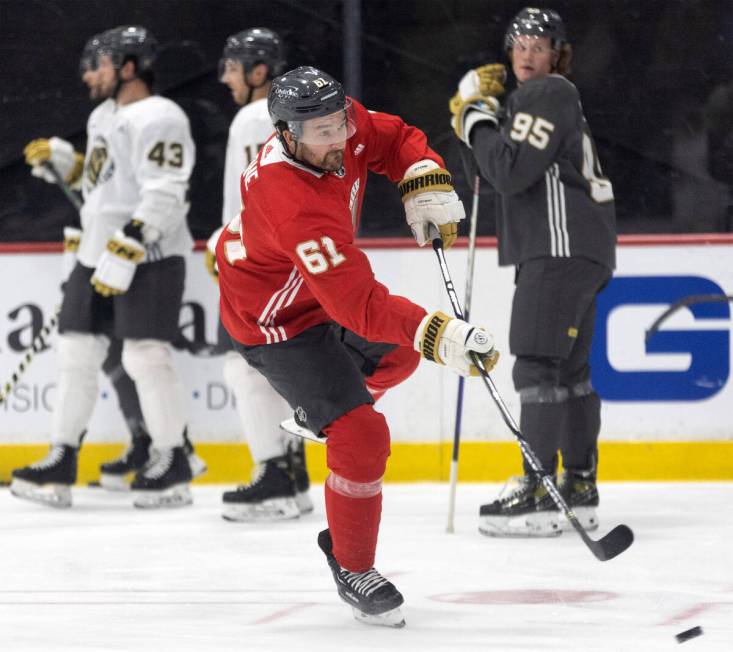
column 250, row 86
column 121, row 82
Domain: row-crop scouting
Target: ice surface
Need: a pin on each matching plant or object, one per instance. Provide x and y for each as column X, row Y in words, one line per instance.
column 104, row 576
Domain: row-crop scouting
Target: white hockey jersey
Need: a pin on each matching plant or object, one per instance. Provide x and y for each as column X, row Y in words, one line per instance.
column 138, row 162
column 249, row 130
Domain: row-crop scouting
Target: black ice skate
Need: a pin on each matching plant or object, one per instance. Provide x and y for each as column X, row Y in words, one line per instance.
column 374, row 600
column 197, row 464
column 165, row 481
column 296, row 452
column 117, row 474
column 271, row 496
column 578, row 488
column 49, row 480
column 523, row 509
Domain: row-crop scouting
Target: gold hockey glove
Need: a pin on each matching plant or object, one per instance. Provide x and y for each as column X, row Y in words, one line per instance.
column 59, row 153
column 449, row 341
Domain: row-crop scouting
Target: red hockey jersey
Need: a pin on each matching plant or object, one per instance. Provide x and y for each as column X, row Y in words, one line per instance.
column 289, row 262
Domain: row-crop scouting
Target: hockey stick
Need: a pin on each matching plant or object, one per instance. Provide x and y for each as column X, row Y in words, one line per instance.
column 70, row 194
column 683, row 303
column 459, row 400
column 39, row 341
column 38, row 344
column 607, row 547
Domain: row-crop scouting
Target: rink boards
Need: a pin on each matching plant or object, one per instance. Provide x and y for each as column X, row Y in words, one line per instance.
column 666, row 401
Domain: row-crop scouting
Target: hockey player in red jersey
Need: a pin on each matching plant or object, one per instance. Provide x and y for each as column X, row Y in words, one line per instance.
column 301, row 303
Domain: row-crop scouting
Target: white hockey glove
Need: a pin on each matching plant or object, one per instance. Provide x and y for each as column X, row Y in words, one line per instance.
column 59, row 153
column 118, row 262
column 72, row 239
column 428, row 195
column 210, row 254
column 446, row 340
column 475, row 103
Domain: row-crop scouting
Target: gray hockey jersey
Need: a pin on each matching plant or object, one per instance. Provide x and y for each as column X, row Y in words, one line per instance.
column 542, row 161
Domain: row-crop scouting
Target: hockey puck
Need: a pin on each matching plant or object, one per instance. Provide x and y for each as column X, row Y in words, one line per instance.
column 688, row 634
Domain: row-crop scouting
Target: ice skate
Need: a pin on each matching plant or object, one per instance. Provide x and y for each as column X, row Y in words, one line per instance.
column 374, row 600
column 291, row 426
column 296, row 452
column 49, row 480
column 117, row 474
column 580, row 492
column 523, row 509
column 271, row 496
column 197, row 464
column 165, row 481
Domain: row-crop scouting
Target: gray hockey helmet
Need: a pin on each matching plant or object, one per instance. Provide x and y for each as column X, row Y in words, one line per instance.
column 533, row 21
column 305, row 93
column 126, row 41
column 253, row 46
column 90, row 55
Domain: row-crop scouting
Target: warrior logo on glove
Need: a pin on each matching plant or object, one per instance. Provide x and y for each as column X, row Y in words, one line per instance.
column 455, row 343
column 439, row 179
column 429, row 199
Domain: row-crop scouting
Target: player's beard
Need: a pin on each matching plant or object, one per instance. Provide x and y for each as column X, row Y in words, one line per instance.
column 330, row 162
column 333, row 160
column 95, row 93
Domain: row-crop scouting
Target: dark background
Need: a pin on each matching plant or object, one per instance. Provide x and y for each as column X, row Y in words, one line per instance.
column 654, row 75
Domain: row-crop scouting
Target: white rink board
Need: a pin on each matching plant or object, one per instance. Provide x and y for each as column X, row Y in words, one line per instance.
column 423, row 408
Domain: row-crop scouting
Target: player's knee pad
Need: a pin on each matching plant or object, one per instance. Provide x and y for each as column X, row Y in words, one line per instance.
column 146, row 358
column 537, row 379
column 81, row 353
column 584, row 388
column 358, row 446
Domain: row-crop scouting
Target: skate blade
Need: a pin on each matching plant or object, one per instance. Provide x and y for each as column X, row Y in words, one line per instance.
column 52, row 495
column 586, row 516
column 176, row 496
column 276, row 509
column 304, row 502
column 536, row 525
column 197, row 464
column 392, row 618
column 292, row 427
column 115, row 482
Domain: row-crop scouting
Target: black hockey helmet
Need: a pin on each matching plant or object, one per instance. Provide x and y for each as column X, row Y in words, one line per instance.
column 306, row 93
column 127, row 41
column 253, row 46
column 532, row 21
column 90, row 54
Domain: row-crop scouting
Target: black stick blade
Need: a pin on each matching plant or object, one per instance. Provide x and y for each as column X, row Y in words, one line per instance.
column 614, row 543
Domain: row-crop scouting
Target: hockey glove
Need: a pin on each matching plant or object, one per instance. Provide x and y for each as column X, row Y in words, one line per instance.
column 72, row 239
column 428, row 195
column 447, row 341
column 488, row 81
column 118, row 262
column 59, row 153
column 210, row 254
column 470, row 106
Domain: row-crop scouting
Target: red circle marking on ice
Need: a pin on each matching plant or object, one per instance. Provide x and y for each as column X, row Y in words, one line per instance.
column 525, row 596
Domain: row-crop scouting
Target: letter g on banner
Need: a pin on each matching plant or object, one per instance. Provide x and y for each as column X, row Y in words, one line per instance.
column 708, row 350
